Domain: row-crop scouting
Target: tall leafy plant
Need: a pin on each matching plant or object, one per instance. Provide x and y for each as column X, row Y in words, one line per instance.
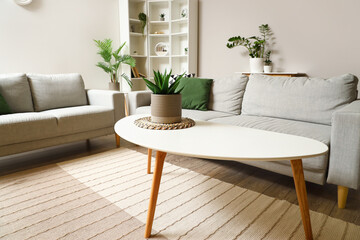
column 112, row 60
column 162, row 84
column 142, row 17
column 255, row 45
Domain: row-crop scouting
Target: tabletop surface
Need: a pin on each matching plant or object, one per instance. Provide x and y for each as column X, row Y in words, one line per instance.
column 220, row 141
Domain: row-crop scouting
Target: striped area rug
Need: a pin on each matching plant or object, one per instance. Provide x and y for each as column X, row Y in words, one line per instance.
column 105, row 196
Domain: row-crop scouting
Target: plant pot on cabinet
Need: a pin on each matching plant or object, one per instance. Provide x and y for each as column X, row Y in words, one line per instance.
column 114, row 86
column 166, row 108
column 256, row 65
column 267, row 69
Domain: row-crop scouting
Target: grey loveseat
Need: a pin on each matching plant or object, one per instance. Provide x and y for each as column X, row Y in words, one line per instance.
column 323, row 109
column 48, row 110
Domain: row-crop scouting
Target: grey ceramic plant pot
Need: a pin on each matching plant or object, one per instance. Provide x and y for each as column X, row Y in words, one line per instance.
column 166, row 108
column 114, row 86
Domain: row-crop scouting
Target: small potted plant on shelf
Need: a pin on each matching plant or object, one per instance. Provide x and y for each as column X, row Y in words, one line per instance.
column 165, row 98
column 267, row 62
column 162, row 17
column 112, row 61
column 186, row 50
column 142, row 17
column 255, row 45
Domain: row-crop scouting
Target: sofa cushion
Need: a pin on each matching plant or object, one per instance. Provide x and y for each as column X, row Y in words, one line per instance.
column 4, row 107
column 318, row 132
column 227, row 93
column 57, row 91
column 24, row 127
column 82, row 118
column 16, row 91
column 298, row 98
column 195, row 93
column 193, row 114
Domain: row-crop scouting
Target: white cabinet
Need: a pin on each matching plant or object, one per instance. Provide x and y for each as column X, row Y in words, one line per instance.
column 178, row 31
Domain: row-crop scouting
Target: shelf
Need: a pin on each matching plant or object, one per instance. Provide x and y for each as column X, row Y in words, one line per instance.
column 159, row 22
column 139, row 56
column 136, row 34
column 158, row 35
column 179, row 56
column 180, row 20
column 160, row 56
column 136, row 79
column 134, row 20
column 181, row 34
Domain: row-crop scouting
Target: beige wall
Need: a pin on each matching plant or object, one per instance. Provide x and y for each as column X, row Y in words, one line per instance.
column 320, row 38
column 55, row 36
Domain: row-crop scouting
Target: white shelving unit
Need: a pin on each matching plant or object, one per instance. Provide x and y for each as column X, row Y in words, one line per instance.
column 176, row 31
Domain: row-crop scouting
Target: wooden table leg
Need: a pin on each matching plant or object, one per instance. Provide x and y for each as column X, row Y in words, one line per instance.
column 298, row 174
column 159, row 163
column 149, row 161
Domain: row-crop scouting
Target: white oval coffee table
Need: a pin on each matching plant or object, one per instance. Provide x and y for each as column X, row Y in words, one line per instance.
column 224, row 142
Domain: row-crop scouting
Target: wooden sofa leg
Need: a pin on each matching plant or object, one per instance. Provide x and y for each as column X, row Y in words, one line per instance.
column 117, row 137
column 342, row 196
column 149, row 161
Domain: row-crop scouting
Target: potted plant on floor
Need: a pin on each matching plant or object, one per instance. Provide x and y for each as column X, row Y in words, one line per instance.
column 112, row 61
column 255, row 45
column 165, row 98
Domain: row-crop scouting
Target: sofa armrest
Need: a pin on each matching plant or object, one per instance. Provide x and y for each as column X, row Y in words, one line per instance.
column 344, row 165
column 138, row 99
column 107, row 98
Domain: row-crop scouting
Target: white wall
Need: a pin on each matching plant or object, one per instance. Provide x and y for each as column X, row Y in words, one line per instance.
column 56, row 36
column 320, row 38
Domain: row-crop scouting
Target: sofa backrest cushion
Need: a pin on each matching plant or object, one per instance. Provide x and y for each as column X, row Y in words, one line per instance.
column 298, row 98
column 227, row 93
column 16, row 91
column 57, row 91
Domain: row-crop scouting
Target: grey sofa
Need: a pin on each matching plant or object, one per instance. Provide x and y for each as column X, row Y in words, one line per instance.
column 48, row 110
column 323, row 109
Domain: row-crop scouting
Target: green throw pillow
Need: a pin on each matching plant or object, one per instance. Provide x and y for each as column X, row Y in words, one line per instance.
column 195, row 93
column 4, row 107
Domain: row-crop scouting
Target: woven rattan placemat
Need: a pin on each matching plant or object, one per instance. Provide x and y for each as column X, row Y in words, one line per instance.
column 145, row 122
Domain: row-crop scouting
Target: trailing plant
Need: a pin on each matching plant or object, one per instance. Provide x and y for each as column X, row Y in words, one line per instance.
column 162, row 84
column 112, row 60
column 142, row 17
column 267, row 58
column 255, row 45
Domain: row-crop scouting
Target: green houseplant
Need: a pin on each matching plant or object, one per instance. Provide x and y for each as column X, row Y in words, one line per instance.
column 162, row 17
column 267, row 67
column 255, row 45
column 142, row 17
column 165, row 98
column 112, row 61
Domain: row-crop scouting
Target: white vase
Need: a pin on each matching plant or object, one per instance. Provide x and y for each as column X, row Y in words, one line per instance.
column 267, row 69
column 256, row 65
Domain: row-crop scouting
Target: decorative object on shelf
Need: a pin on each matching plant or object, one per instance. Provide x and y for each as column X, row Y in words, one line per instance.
column 161, row 49
column 112, row 61
column 165, row 99
column 255, row 45
column 184, row 13
column 268, row 66
column 146, row 122
column 132, row 28
column 159, row 32
column 142, row 17
column 22, row 2
column 135, row 52
column 186, row 50
column 162, row 17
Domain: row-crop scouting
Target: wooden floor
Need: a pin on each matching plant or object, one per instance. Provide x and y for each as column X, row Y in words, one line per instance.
column 321, row 198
